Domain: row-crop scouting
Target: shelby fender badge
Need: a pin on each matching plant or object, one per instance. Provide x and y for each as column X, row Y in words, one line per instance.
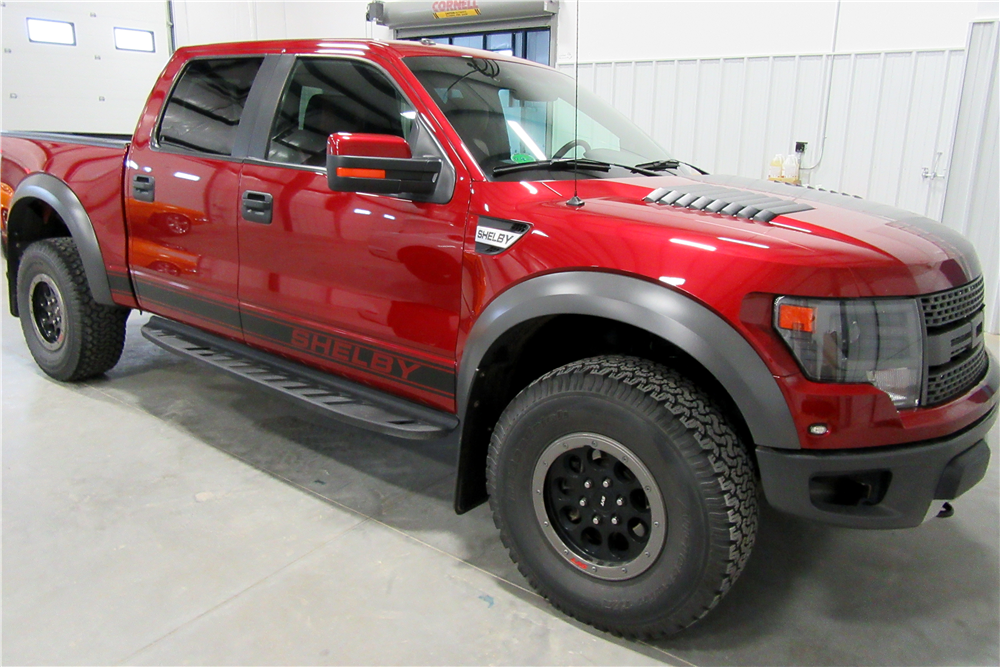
column 494, row 235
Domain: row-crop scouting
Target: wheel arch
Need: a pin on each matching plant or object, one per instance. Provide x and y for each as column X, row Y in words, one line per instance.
column 664, row 315
column 25, row 225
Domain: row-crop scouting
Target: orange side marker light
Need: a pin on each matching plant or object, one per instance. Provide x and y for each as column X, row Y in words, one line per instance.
column 347, row 172
column 797, row 318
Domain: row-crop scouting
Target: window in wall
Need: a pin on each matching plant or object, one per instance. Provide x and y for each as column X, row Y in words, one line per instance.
column 528, row 44
column 501, row 42
column 205, row 108
column 326, row 96
column 127, row 39
column 45, row 31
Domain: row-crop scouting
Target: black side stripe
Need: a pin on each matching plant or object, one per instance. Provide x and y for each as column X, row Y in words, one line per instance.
column 321, row 345
column 194, row 320
column 349, row 353
column 120, row 283
column 204, row 308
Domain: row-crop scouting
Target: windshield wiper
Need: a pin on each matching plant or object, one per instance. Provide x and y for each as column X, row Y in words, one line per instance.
column 553, row 165
column 569, row 163
column 662, row 165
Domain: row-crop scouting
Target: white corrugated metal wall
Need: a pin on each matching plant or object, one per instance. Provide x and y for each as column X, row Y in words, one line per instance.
column 890, row 126
column 971, row 205
column 890, row 115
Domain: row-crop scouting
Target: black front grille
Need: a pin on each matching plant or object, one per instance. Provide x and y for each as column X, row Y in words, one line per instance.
column 946, row 382
column 943, row 308
column 950, row 316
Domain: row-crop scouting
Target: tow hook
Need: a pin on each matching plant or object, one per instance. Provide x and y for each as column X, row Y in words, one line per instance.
column 938, row 509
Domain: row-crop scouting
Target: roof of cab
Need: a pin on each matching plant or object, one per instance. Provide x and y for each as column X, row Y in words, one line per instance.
column 334, row 46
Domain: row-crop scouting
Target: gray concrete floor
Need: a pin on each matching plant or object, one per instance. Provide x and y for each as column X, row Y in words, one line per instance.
column 165, row 514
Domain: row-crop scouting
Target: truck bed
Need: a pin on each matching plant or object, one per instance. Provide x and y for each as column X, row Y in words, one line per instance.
column 92, row 167
column 83, row 138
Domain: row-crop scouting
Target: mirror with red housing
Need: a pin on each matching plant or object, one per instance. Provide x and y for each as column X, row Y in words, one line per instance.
column 379, row 164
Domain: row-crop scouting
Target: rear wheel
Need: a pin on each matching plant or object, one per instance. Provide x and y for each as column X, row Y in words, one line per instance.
column 70, row 336
column 623, row 494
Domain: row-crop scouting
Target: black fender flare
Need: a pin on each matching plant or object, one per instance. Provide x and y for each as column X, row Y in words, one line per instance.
column 670, row 315
column 62, row 199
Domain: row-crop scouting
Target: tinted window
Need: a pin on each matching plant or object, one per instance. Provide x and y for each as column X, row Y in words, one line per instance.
column 326, row 96
column 511, row 113
column 205, row 107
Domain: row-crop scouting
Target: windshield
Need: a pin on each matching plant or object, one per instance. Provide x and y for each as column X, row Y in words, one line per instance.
column 515, row 114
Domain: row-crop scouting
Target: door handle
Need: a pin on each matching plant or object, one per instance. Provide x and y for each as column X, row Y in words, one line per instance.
column 256, row 207
column 143, row 187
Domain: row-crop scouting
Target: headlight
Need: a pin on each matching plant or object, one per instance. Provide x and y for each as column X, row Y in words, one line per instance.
column 877, row 341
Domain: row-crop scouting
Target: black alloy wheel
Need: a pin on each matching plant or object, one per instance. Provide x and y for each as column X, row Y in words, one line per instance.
column 46, row 311
column 599, row 506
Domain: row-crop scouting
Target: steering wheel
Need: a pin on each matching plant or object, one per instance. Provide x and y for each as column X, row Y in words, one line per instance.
column 568, row 146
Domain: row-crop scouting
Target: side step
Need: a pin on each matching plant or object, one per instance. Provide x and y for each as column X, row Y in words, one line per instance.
column 330, row 396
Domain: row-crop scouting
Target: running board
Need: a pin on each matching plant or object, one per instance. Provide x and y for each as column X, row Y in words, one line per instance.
column 329, row 396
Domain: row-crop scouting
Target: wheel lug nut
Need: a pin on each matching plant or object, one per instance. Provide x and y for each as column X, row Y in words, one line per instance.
column 583, row 502
column 620, row 501
column 614, row 520
column 606, row 483
column 587, row 484
column 596, row 519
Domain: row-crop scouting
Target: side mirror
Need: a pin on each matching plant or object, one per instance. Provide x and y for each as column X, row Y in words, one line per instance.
column 378, row 163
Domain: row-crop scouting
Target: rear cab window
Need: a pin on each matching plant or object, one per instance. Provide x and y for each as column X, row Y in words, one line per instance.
column 205, row 106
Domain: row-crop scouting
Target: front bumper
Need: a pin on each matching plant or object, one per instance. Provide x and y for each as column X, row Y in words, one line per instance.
column 889, row 487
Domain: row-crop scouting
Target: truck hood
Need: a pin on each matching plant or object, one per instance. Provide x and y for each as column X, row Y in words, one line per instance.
column 880, row 249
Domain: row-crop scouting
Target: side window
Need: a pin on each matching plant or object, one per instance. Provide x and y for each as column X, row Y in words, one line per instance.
column 325, row 96
column 205, row 106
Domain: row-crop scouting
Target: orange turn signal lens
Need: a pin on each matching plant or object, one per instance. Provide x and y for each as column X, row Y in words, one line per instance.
column 346, row 172
column 796, row 318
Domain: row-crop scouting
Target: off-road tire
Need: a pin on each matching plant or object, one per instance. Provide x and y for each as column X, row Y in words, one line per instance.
column 90, row 335
column 703, row 472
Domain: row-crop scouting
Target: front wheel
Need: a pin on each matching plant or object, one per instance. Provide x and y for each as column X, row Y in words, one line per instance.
column 70, row 336
column 623, row 495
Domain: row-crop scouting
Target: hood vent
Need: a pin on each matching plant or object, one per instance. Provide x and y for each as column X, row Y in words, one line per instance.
column 832, row 192
column 726, row 201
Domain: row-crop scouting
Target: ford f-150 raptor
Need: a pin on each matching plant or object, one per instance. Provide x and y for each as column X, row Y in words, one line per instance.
column 442, row 243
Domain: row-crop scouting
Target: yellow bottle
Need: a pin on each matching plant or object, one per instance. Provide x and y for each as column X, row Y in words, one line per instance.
column 774, row 169
column 790, row 170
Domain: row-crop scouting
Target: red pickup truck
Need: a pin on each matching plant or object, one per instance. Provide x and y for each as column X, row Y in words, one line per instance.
column 442, row 243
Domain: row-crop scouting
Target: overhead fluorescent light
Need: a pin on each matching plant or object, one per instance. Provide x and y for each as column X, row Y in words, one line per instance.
column 128, row 39
column 51, row 32
column 749, row 243
column 523, row 136
column 693, row 244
